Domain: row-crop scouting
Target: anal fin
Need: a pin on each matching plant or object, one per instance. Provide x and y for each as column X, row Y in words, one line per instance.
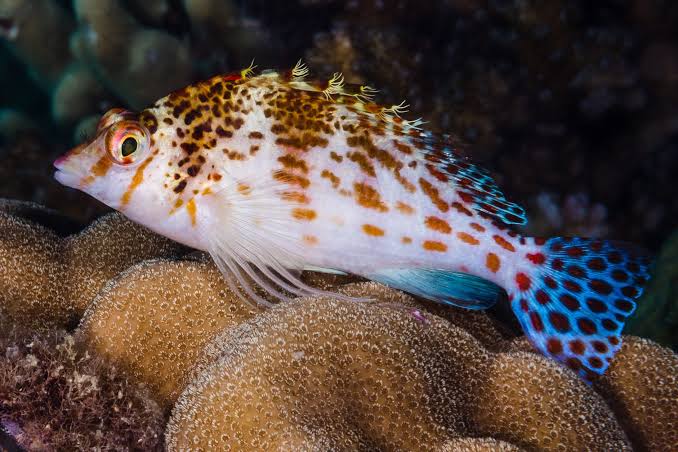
column 443, row 286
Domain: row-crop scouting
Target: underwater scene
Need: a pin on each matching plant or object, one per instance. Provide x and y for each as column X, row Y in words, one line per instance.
column 326, row 225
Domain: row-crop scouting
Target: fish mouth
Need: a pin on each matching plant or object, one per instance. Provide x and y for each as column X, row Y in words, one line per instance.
column 66, row 169
column 67, row 178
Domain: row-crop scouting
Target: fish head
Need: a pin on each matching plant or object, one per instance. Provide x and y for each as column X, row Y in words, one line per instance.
column 106, row 166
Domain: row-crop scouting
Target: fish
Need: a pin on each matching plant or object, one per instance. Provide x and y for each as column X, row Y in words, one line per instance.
column 274, row 173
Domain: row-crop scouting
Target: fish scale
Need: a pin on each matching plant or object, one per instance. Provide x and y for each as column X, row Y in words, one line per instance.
column 273, row 174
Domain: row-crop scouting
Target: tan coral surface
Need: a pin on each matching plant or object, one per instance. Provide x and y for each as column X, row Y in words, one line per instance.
column 48, row 281
column 323, row 373
column 157, row 316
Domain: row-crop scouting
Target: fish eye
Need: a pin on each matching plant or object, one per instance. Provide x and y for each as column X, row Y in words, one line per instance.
column 128, row 146
column 127, row 142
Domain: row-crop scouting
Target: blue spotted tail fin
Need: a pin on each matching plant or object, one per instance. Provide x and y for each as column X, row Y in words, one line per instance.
column 573, row 303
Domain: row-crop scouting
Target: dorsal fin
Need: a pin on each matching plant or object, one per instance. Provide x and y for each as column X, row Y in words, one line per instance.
column 473, row 183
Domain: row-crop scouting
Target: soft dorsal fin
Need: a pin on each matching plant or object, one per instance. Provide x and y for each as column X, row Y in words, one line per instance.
column 473, row 183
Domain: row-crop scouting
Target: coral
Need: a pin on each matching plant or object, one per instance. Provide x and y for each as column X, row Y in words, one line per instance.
column 321, row 373
column 140, row 65
column 77, row 94
column 55, row 396
column 156, row 316
column 477, row 445
column 315, row 373
column 656, row 317
column 47, row 280
column 38, row 31
column 641, row 387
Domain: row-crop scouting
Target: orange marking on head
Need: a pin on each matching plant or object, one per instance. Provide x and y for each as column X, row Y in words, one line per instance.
column 137, row 179
column 191, row 209
column 406, row 240
column 501, row 241
column 477, row 227
column 207, row 191
column 295, row 196
column 310, row 240
column 467, row 238
column 404, row 208
column 304, row 214
column 368, row 197
column 492, row 262
column 438, row 224
column 373, row 230
column 433, row 194
column 432, row 245
column 101, row 167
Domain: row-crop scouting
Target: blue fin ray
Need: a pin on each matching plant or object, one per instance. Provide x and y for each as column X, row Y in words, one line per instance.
column 458, row 289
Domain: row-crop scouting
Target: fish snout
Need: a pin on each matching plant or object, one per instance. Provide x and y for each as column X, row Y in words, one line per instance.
column 62, row 163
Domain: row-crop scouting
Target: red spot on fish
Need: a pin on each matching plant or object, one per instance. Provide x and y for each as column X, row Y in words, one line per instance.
column 523, row 281
column 536, row 258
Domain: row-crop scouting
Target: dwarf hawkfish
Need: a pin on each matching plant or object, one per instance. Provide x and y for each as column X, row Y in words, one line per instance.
column 274, row 174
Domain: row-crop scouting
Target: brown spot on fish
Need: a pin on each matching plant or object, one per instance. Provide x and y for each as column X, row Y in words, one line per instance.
column 477, row 227
column 432, row 245
column 256, row 135
column 373, row 230
column 433, row 194
column 295, row 196
column 304, row 214
column 368, row 197
column 335, row 180
column 492, row 262
column 467, row 238
column 438, row 224
column 180, row 186
column 404, row 208
column 289, row 161
column 501, row 241
column 292, row 179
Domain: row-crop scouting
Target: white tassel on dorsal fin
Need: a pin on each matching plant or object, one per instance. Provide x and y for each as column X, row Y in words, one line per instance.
column 366, row 94
column 249, row 70
column 414, row 124
column 300, row 71
column 396, row 110
column 335, row 85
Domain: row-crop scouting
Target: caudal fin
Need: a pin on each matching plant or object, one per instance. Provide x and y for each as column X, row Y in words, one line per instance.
column 574, row 301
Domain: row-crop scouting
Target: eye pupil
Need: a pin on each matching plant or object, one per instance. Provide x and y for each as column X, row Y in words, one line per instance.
column 129, row 146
